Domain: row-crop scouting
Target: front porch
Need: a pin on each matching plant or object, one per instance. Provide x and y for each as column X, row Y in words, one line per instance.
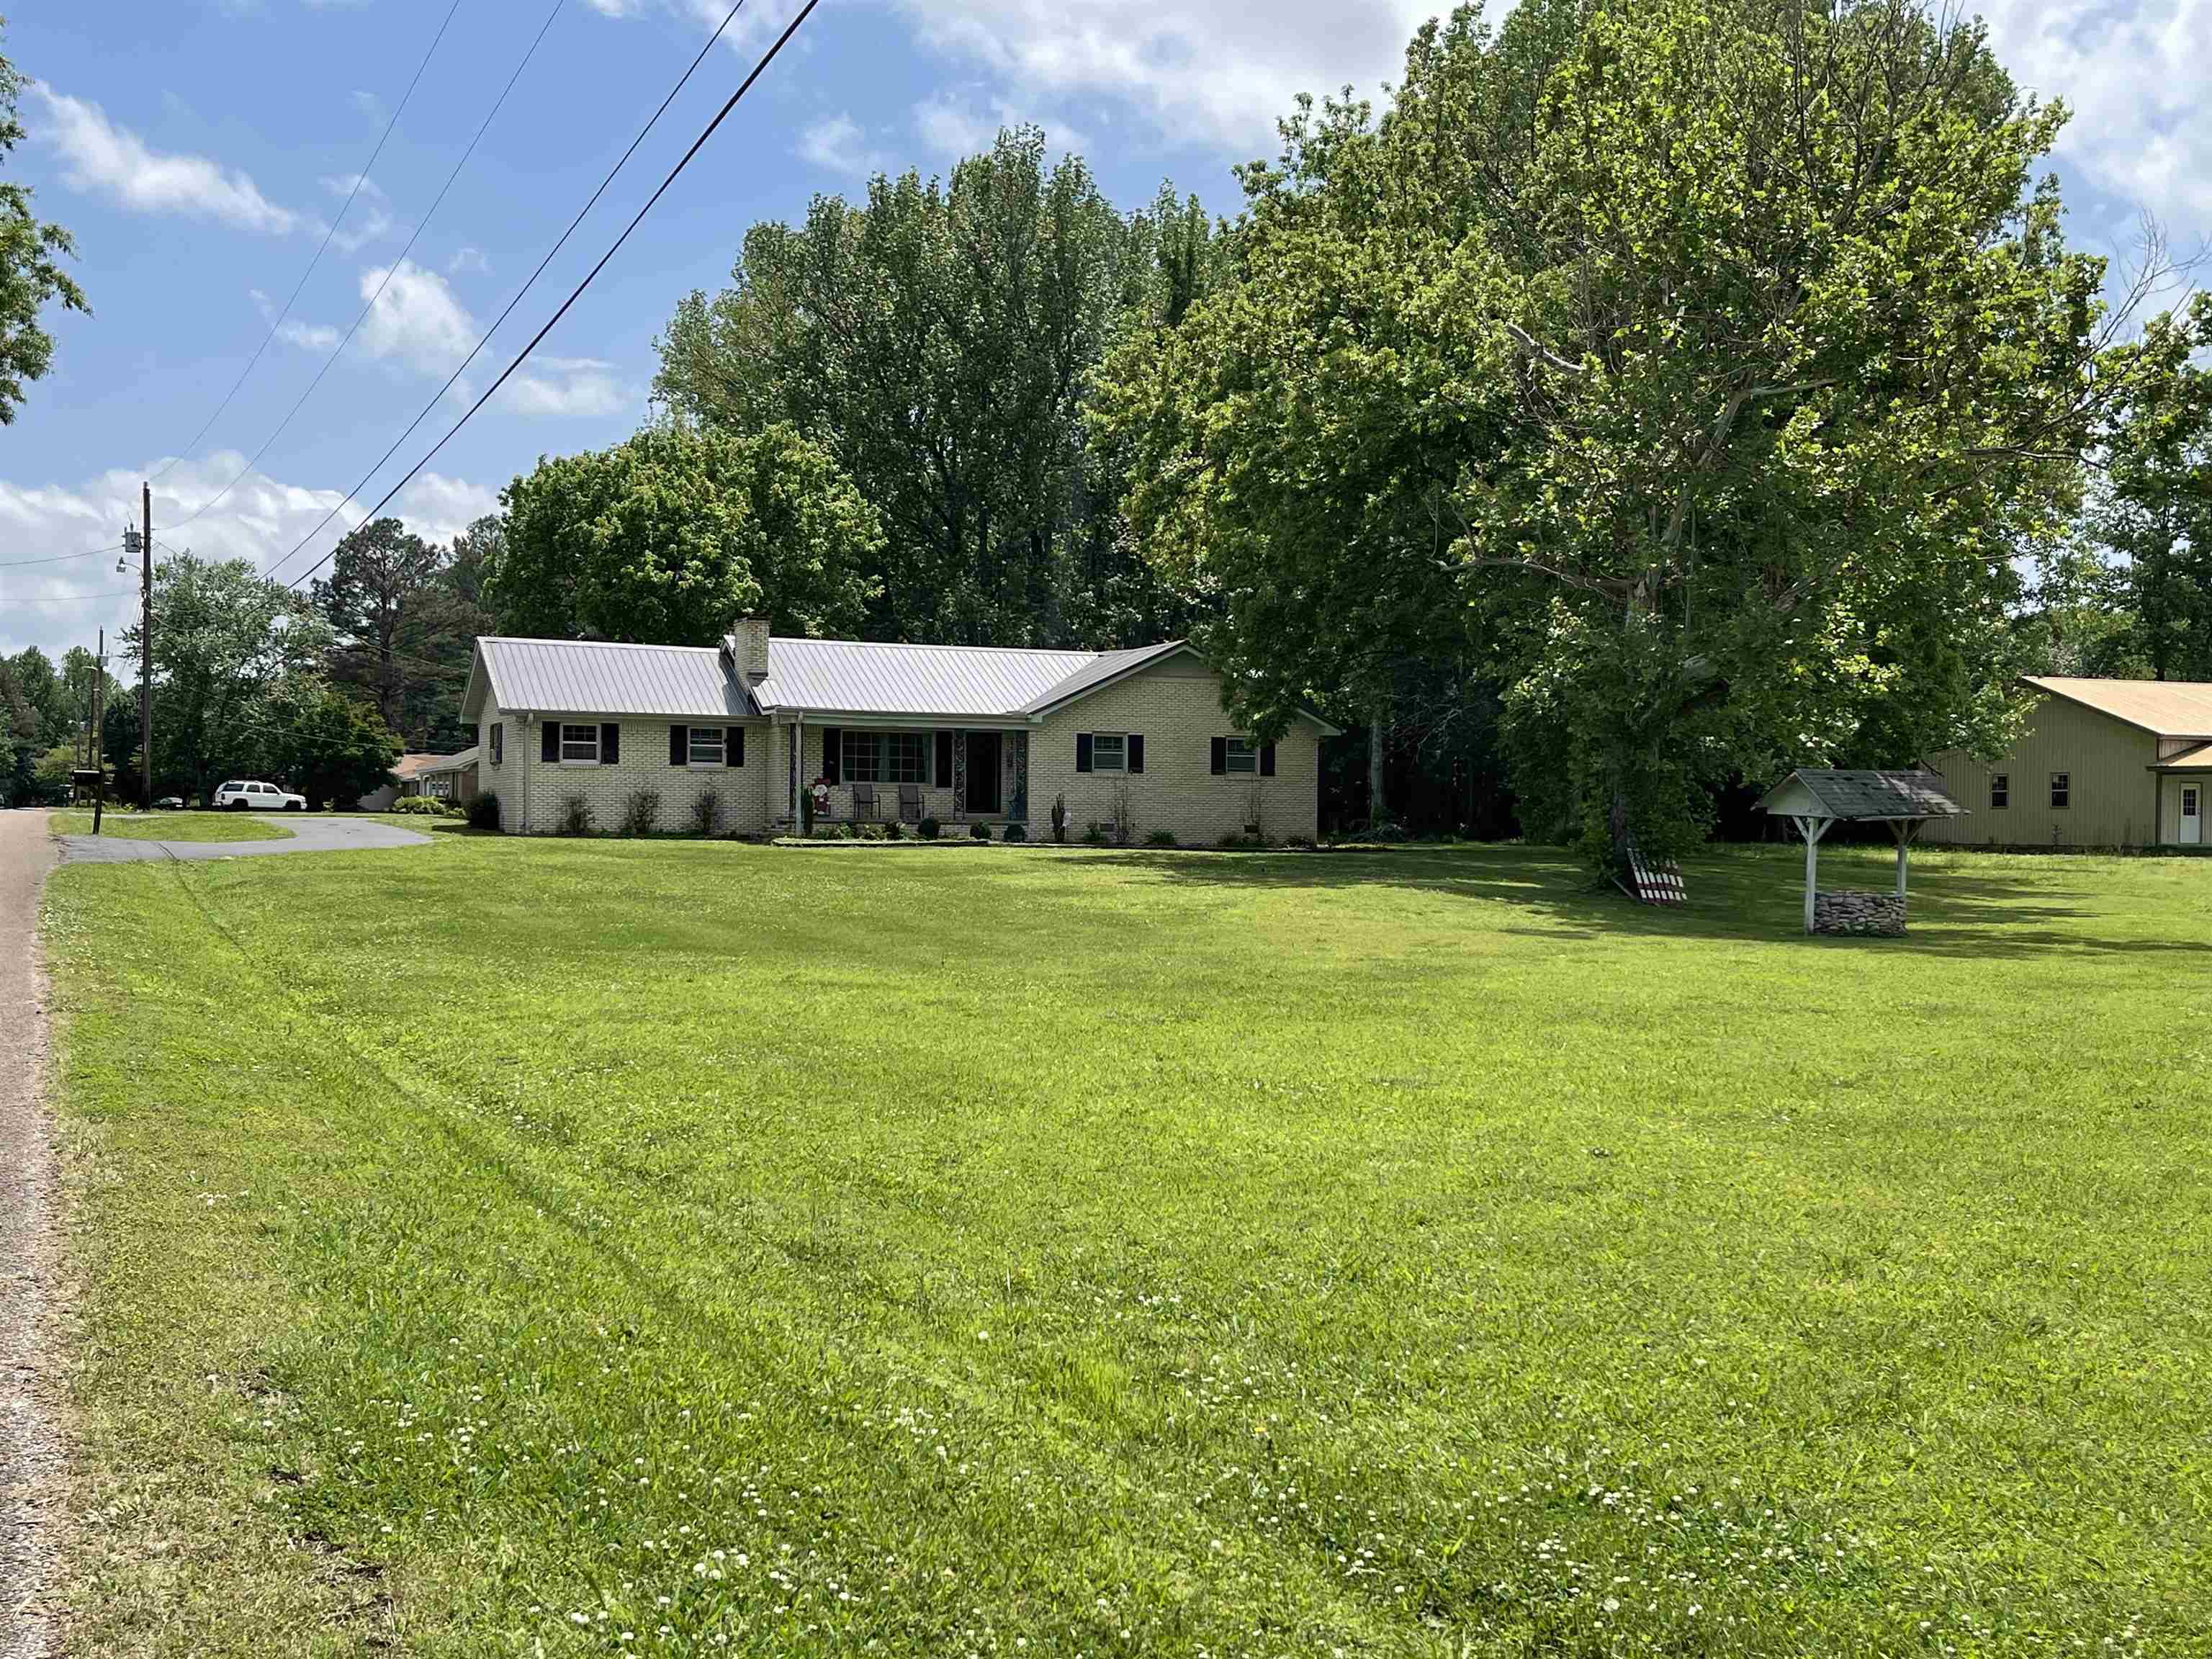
column 851, row 773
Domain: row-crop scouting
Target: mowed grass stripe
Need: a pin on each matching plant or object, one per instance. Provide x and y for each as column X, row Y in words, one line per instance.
column 168, row 826
column 1268, row 1224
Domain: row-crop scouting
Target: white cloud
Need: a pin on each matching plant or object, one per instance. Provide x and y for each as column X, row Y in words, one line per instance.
column 950, row 127
column 309, row 337
column 415, row 322
column 261, row 520
column 758, row 21
column 2142, row 129
column 368, row 218
column 468, row 259
column 419, row 326
column 565, row 386
column 98, row 156
column 1224, row 72
column 438, row 508
column 836, row 144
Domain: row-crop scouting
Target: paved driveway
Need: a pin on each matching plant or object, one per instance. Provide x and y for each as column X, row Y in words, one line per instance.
column 309, row 835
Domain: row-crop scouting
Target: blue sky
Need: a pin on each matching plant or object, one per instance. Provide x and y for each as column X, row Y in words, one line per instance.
column 200, row 148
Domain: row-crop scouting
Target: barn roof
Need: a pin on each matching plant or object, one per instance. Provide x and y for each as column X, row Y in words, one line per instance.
column 1820, row 791
column 2173, row 708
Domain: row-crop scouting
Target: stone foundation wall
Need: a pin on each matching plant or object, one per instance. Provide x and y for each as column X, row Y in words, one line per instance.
column 1882, row 913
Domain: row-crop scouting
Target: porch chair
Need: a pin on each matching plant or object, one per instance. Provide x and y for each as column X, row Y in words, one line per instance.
column 864, row 802
column 910, row 802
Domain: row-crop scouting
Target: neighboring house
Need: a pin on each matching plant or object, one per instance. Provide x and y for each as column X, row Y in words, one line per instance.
column 406, row 772
column 2104, row 763
column 449, row 777
column 968, row 733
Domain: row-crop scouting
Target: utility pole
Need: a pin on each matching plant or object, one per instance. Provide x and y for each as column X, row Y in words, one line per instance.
column 99, row 761
column 146, row 647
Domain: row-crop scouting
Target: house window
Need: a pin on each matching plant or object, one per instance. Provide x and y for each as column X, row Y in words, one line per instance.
column 1109, row 751
column 864, row 757
column 905, row 758
column 705, row 746
column 2061, row 790
column 886, row 757
column 580, row 745
column 2000, row 791
column 498, row 742
column 1242, row 754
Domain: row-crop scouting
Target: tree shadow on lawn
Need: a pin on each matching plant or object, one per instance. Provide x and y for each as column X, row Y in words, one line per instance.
column 1753, row 894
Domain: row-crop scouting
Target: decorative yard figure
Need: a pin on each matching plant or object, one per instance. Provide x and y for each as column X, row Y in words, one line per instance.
column 820, row 791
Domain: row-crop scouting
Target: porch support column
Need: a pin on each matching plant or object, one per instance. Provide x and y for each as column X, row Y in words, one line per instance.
column 798, row 755
column 1812, row 828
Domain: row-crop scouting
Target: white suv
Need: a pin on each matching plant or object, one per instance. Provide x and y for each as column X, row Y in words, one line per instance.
column 247, row 797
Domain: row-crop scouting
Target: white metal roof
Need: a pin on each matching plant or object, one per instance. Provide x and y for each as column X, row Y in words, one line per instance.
column 848, row 677
column 591, row 676
column 828, row 677
column 1101, row 669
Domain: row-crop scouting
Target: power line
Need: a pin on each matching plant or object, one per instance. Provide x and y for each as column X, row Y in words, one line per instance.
column 496, row 322
column 697, row 144
column 359, row 179
column 62, row 558
column 72, row 599
column 390, row 271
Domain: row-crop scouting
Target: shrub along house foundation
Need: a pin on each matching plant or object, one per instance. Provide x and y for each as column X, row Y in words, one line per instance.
column 964, row 734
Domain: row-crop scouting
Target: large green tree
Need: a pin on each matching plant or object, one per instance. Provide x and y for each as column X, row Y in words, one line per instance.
column 2154, row 504
column 330, row 747
column 1716, row 360
column 224, row 635
column 383, row 579
column 31, row 274
column 669, row 537
column 41, row 687
column 937, row 337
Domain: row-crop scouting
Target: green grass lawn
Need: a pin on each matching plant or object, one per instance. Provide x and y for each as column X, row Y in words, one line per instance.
column 509, row 1247
column 169, row 826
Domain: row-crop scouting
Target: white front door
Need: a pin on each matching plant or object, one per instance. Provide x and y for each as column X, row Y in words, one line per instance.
column 2192, row 814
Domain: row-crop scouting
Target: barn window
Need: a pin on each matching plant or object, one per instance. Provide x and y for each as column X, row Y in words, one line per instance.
column 2061, row 790
column 2000, row 791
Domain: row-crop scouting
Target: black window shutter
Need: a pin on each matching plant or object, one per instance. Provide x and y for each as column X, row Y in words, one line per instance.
column 1266, row 760
column 548, row 741
column 1220, row 761
column 1136, row 752
column 944, row 760
column 679, row 745
column 610, row 744
column 833, row 753
column 1083, row 751
column 734, row 746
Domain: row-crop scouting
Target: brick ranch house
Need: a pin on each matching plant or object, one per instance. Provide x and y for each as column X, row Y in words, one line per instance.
column 965, row 734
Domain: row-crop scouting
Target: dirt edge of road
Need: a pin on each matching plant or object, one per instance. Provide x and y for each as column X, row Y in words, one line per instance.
column 31, row 1298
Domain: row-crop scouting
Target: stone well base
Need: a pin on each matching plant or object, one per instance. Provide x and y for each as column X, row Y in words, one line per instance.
column 1882, row 913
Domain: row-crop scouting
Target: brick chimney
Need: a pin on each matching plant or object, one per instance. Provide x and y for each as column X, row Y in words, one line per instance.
column 747, row 645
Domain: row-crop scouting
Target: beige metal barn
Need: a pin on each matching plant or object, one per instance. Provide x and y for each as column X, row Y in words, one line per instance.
column 2103, row 763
